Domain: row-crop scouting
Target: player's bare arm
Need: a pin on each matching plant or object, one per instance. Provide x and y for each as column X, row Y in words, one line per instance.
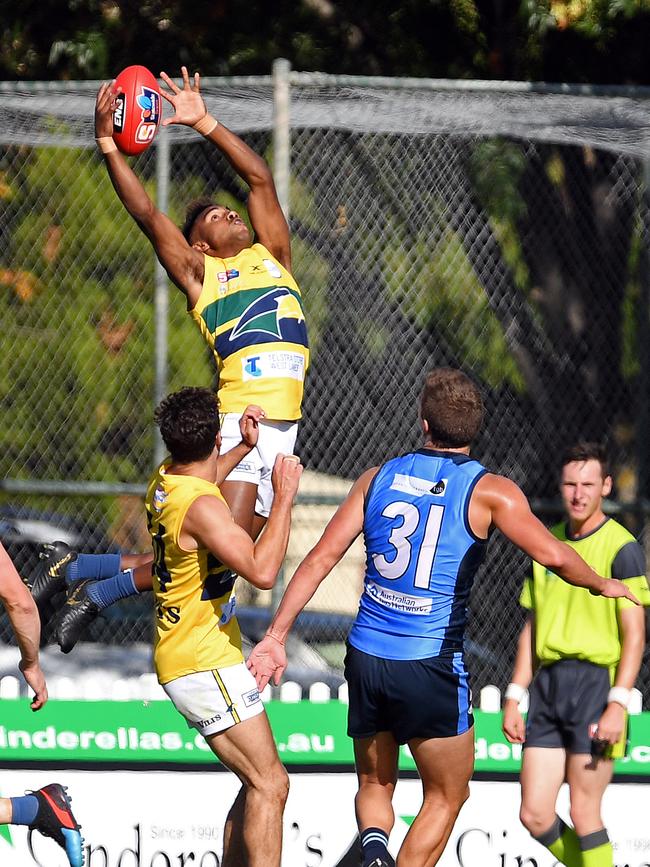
column 209, row 524
column 499, row 501
column 267, row 218
column 183, row 263
column 632, row 625
column 23, row 615
column 249, row 427
column 268, row 658
column 513, row 725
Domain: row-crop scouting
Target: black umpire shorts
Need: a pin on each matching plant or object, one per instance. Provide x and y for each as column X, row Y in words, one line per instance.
column 566, row 699
column 419, row 698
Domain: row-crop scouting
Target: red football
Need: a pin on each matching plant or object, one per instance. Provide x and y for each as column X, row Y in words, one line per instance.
column 139, row 110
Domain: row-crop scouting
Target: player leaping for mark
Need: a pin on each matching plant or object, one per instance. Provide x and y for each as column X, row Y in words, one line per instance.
column 244, row 299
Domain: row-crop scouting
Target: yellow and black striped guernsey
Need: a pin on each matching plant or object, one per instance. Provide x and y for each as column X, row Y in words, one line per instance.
column 195, row 626
column 250, row 312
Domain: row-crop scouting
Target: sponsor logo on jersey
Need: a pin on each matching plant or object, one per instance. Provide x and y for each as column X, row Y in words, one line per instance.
column 159, row 498
column 418, row 487
column 265, row 314
column 251, row 698
column 230, row 274
column 279, row 365
column 149, row 103
column 204, row 723
column 398, row 601
column 272, row 268
column 228, row 611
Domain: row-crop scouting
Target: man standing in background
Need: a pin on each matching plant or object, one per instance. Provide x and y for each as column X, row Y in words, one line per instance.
column 586, row 651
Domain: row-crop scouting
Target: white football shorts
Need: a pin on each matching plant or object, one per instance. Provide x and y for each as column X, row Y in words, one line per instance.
column 275, row 437
column 212, row 701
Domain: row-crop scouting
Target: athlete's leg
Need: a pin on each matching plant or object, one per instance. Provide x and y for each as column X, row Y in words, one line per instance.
column 234, row 852
column 375, row 759
column 48, row 810
column 445, row 766
column 588, row 778
column 248, row 749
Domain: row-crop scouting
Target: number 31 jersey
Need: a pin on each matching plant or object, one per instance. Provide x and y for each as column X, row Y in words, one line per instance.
column 421, row 554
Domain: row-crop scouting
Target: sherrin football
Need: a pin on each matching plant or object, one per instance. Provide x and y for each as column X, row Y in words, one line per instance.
column 139, row 110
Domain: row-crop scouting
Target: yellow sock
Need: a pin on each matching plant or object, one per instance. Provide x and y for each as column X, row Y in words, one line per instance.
column 597, row 850
column 562, row 841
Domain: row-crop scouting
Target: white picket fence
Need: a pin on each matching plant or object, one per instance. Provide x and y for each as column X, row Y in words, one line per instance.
column 146, row 688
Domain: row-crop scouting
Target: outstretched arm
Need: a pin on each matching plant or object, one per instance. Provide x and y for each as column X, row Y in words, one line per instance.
column 209, row 524
column 23, row 614
column 269, row 223
column 510, row 512
column 268, row 658
column 183, row 264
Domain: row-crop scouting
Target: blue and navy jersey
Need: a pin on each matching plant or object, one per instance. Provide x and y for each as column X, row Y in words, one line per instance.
column 421, row 556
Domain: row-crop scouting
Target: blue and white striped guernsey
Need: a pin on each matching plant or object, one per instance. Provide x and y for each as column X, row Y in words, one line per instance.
column 422, row 556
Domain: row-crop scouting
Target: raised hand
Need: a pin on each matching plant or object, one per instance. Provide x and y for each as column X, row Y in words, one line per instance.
column 187, row 103
column 286, row 475
column 249, row 424
column 105, row 106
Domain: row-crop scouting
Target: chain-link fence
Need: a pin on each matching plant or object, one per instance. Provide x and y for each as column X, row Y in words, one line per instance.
column 494, row 230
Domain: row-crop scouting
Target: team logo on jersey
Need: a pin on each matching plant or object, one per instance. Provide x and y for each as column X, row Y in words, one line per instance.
column 272, row 268
column 439, row 488
column 149, row 103
column 159, row 498
column 265, row 314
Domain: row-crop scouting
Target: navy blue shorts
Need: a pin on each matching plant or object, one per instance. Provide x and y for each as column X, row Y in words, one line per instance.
column 411, row 698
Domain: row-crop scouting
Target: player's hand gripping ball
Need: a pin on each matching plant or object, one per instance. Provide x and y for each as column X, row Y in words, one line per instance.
column 139, row 110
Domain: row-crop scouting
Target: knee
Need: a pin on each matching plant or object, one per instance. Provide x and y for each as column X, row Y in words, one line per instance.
column 535, row 820
column 273, row 785
column 584, row 814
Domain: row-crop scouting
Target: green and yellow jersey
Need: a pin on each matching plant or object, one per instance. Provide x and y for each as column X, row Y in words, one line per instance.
column 569, row 621
column 195, row 626
column 250, row 313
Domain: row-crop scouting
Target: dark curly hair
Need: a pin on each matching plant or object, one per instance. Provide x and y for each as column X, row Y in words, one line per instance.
column 193, row 212
column 189, row 423
column 452, row 406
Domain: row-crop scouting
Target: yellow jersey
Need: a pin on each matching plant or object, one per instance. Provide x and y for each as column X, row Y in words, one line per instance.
column 251, row 315
column 196, row 629
column 570, row 623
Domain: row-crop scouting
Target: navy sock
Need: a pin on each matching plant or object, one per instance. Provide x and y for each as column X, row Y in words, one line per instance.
column 24, row 810
column 97, row 566
column 374, row 844
column 105, row 593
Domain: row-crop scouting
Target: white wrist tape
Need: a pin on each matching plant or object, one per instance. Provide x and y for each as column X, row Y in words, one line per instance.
column 515, row 692
column 106, row 144
column 206, row 124
column 619, row 694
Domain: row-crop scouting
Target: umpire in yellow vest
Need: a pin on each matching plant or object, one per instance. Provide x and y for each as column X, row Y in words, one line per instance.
column 586, row 652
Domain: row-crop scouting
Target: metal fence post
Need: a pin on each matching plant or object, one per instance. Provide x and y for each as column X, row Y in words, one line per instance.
column 161, row 293
column 281, row 131
column 281, row 175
